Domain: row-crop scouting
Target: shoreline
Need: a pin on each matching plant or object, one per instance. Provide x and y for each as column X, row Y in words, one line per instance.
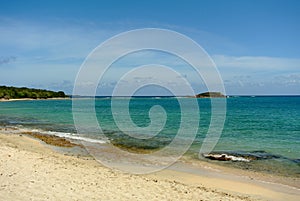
column 62, row 143
column 57, row 140
column 32, row 99
column 213, row 182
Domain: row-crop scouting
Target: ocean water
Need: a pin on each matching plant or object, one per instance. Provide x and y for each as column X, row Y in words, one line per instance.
column 260, row 133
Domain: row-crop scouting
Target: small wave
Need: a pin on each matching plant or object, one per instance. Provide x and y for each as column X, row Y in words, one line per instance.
column 73, row 136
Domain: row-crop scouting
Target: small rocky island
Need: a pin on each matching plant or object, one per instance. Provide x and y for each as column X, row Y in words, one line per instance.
column 210, row 95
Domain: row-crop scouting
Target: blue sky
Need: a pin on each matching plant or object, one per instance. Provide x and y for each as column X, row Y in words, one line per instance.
column 255, row 44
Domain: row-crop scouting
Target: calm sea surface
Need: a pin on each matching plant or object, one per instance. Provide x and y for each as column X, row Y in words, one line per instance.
column 266, row 129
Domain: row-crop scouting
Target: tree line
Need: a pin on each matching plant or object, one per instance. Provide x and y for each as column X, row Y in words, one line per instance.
column 23, row 92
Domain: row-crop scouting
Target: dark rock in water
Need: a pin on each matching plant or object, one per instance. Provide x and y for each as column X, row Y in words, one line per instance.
column 135, row 145
column 222, row 157
column 225, row 157
column 260, row 161
column 241, row 156
column 259, row 155
column 297, row 161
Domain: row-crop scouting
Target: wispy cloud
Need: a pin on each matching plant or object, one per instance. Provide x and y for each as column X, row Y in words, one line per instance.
column 6, row 60
column 251, row 63
column 259, row 75
column 47, row 54
column 49, row 41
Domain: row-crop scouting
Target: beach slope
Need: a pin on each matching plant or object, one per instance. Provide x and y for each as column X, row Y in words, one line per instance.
column 29, row 170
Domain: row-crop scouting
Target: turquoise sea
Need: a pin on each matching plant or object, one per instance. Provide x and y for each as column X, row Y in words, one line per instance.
column 263, row 129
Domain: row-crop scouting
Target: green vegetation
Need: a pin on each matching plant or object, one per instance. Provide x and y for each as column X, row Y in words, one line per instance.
column 15, row 92
column 210, row 95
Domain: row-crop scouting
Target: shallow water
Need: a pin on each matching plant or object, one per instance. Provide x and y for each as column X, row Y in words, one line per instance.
column 267, row 128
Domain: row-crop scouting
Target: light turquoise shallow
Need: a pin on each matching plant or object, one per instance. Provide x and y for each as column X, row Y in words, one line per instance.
column 267, row 124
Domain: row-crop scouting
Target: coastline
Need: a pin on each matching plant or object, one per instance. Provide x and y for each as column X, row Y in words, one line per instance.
column 27, row 164
column 31, row 99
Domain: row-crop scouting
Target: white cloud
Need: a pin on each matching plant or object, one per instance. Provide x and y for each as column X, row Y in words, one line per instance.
column 245, row 63
column 49, row 41
column 7, row 60
column 290, row 79
column 50, row 53
column 259, row 75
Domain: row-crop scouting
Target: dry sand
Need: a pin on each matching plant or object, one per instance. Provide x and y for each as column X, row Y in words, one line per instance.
column 29, row 170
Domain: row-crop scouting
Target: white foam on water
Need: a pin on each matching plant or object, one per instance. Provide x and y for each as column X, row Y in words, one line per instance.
column 73, row 136
column 236, row 158
column 227, row 157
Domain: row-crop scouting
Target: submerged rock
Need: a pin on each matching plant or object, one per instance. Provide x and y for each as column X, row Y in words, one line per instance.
column 241, row 156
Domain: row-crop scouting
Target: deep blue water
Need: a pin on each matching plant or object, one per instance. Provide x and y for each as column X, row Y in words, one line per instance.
column 267, row 127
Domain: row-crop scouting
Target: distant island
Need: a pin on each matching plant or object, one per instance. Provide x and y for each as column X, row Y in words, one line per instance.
column 210, row 95
column 27, row 93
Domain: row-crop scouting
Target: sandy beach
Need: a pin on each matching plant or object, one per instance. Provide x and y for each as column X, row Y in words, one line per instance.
column 32, row 170
column 31, row 99
column 149, row 100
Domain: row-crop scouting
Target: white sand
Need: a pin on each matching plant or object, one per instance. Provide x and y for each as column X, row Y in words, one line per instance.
column 31, row 171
